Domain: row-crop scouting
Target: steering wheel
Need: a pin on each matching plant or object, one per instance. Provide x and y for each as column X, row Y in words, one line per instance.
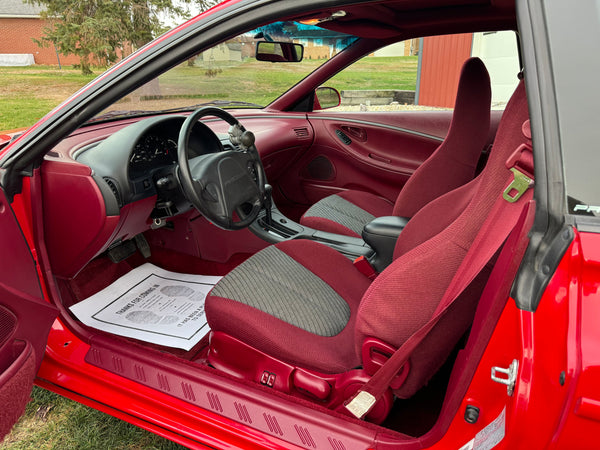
column 222, row 183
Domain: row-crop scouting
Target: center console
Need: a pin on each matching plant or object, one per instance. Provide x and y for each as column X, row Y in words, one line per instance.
column 274, row 227
column 377, row 245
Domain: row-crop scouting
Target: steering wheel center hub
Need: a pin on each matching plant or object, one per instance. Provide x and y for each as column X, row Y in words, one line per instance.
column 226, row 185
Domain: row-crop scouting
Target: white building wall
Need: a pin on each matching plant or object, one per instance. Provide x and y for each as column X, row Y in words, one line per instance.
column 498, row 50
column 396, row 49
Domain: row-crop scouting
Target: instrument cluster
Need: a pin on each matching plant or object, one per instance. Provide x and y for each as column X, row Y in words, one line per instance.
column 151, row 151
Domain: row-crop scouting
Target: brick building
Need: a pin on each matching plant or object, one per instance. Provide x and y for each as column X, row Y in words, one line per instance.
column 20, row 23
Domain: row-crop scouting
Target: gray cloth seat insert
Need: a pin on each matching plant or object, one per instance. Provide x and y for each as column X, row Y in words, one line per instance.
column 276, row 284
column 340, row 210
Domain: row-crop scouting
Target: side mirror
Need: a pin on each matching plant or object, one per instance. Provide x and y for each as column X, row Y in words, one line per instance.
column 326, row 97
column 279, row 51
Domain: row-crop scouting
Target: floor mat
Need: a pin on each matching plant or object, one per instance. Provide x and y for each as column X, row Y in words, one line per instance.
column 152, row 305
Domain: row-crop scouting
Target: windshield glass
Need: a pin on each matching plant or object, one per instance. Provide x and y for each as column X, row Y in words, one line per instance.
column 229, row 75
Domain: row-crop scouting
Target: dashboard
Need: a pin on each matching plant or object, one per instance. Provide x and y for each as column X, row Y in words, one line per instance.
column 133, row 160
column 104, row 184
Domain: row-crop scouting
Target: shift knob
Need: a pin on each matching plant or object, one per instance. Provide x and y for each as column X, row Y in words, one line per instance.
column 268, row 203
column 268, row 195
column 247, row 139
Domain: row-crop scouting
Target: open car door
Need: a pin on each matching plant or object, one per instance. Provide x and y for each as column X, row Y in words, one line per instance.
column 25, row 319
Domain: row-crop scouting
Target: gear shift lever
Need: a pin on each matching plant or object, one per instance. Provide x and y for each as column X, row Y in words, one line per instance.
column 268, row 203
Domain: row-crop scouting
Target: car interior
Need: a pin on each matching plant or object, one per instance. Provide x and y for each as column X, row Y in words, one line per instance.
column 336, row 234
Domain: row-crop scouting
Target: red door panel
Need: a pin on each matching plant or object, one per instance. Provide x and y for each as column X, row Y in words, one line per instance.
column 373, row 152
column 25, row 319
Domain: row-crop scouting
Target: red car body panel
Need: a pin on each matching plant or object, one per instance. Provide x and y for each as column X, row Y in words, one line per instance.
column 545, row 348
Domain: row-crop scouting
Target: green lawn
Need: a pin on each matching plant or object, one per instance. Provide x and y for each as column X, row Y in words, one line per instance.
column 27, row 94
column 54, row 422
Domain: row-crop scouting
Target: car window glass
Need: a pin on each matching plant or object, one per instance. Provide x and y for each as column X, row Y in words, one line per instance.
column 423, row 73
column 575, row 64
column 229, row 75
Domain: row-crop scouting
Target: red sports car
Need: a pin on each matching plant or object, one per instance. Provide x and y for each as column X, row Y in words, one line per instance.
column 327, row 224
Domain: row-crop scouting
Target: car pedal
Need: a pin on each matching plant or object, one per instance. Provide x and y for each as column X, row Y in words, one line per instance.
column 142, row 245
column 121, row 251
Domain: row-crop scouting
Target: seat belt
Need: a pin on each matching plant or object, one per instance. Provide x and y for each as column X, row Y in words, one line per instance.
column 502, row 219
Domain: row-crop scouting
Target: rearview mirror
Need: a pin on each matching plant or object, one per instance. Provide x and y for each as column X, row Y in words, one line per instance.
column 279, row 52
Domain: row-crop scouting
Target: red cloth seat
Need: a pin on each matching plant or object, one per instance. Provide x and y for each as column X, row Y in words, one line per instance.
column 263, row 314
column 452, row 165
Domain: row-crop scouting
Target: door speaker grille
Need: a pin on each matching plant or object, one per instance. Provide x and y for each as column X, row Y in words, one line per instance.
column 320, row 168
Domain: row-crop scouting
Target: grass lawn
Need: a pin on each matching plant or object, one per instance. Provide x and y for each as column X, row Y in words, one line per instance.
column 27, row 94
column 54, row 422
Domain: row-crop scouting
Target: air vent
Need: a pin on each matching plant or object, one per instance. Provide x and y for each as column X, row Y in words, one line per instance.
column 302, row 133
column 112, row 184
column 228, row 147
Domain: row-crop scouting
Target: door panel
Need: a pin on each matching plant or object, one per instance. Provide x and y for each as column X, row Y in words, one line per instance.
column 25, row 319
column 373, row 152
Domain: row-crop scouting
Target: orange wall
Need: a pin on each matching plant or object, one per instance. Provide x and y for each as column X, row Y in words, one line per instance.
column 17, row 37
column 441, row 62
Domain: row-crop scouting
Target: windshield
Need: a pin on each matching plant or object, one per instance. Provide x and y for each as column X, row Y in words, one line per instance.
column 228, row 75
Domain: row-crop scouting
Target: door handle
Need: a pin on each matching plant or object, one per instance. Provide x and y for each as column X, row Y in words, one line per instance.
column 360, row 134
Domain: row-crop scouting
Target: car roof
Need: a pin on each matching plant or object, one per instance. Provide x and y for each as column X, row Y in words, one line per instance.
column 399, row 18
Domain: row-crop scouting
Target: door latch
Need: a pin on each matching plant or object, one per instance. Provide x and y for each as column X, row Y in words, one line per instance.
column 511, row 376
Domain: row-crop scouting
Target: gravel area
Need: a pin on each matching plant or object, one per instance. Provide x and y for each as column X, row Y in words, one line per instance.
column 391, row 107
column 399, row 107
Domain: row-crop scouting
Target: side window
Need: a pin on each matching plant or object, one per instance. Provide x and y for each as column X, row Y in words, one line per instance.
column 422, row 74
column 381, row 81
column 500, row 53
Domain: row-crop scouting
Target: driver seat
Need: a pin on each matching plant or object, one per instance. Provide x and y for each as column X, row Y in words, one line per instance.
column 451, row 165
column 299, row 317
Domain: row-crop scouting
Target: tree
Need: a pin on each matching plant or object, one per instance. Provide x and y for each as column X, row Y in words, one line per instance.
column 97, row 31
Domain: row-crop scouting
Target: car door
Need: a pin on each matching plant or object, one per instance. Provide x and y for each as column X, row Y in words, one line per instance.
column 25, row 317
column 372, row 152
column 396, row 107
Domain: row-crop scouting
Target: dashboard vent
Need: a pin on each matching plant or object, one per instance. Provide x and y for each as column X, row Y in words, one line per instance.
column 302, row 132
column 115, row 190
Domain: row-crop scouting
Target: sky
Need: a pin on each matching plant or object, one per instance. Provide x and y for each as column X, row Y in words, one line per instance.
column 174, row 21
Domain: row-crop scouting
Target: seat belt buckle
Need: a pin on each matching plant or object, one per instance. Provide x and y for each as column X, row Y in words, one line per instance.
column 363, row 265
column 517, row 187
column 520, row 163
